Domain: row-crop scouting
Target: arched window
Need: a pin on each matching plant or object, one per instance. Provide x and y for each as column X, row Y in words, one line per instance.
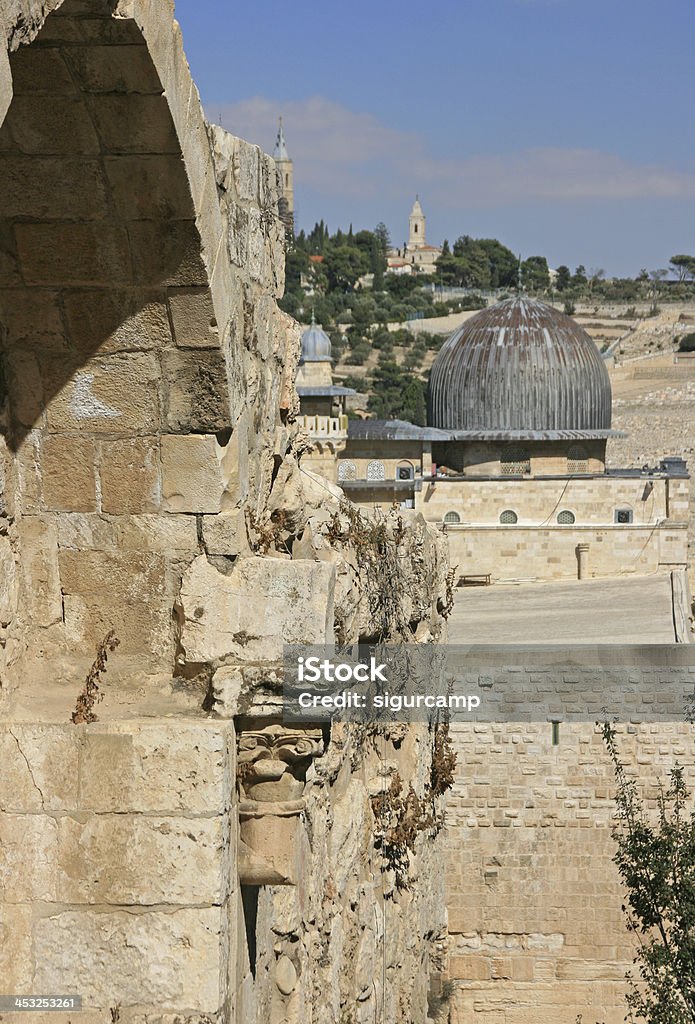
column 509, row 517
column 566, row 518
column 577, row 459
column 515, row 461
column 347, row 470
column 375, row 470
column 405, row 471
column 452, row 518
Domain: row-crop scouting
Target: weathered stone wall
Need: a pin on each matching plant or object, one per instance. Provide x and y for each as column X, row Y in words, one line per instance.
column 145, row 359
column 119, row 865
column 151, row 484
column 536, row 930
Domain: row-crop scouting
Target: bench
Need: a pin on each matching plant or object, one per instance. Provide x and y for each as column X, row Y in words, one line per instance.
column 475, row 579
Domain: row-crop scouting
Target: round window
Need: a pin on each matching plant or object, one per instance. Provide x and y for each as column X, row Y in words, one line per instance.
column 566, row 518
column 452, row 518
column 509, row 517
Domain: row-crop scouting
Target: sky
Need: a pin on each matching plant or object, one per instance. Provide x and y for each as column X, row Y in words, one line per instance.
column 564, row 128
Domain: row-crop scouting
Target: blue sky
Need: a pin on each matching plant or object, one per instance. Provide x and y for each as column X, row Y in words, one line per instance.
column 562, row 127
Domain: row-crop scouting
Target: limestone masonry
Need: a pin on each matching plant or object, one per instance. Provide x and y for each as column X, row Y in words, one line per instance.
column 175, row 853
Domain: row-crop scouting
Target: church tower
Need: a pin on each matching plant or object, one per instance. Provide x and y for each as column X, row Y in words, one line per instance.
column 416, row 238
column 286, row 172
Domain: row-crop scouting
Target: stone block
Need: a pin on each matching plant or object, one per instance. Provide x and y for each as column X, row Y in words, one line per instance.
column 117, row 321
column 193, row 318
column 119, row 393
column 114, row 69
column 28, row 465
column 68, row 473
column 39, row 768
column 134, row 124
column 164, row 768
column 25, row 386
column 39, row 567
column 130, row 476
column 261, row 605
column 196, row 391
column 123, row 591
column 148, row 958
column 16, row 960
column 226, row 534
column 195, row 475
column 165, row 534
column 246, row 170
column 141, row 860
column 166, row 253
column 46, row 124
column 57, row 254
column 469, row 968
column 40, row 70
column 32, row 319
column 8, row 583
column 29, row 858
column 149, row 187
column 52, row 188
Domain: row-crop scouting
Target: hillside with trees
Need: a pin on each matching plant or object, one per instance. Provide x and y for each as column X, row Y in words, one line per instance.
column 341, row 279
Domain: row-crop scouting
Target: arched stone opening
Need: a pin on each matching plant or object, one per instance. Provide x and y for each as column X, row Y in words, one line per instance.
column 127, row 337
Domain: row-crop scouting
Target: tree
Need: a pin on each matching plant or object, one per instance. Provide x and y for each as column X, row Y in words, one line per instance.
column 683, row 267
column 535, row 275
column 655, row 857
column 345, row 264
column 564, row 278
column 397, row 394
column 580, row 279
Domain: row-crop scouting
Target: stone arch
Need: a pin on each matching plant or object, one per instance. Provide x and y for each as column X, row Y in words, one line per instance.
column 140, row 256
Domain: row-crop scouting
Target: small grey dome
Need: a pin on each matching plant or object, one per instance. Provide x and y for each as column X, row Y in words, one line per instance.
column 520, row 365
column 316, row 345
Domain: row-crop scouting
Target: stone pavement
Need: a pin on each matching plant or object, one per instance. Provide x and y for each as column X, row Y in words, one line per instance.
column 635, row 610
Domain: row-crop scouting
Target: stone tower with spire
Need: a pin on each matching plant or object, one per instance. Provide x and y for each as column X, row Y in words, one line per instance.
column 416, row 238
column 286, row 173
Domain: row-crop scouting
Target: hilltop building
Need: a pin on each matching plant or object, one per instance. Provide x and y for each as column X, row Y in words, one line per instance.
column 512, row 462
column 322, row 403
column 415, row 256
column 285, row 168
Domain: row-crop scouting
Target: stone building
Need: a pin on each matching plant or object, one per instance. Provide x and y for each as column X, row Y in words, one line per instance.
column 415, row 256
column 175, row 852
column 321, row 402
column 285, row 167
column 512, row 464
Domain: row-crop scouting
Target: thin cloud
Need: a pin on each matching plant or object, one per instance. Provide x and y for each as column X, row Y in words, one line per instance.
column 341, row 153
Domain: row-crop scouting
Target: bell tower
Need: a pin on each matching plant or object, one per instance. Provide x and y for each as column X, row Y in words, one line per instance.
column 286, row 173
column 416, row 239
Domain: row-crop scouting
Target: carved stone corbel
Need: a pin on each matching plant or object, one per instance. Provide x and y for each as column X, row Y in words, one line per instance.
column 272, row 764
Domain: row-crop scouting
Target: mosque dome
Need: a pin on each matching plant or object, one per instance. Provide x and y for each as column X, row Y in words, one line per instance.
column 520, row 366
column 316, row 345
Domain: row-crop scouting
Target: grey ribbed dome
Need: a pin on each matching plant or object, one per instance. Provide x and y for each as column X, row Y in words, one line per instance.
column 520, row 365
column 316, row 345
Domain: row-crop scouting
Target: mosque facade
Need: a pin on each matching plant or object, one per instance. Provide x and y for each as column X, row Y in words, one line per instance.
column 512, row 461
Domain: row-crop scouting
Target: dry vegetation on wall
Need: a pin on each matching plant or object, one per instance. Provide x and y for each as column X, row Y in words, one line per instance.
column 91, row 694
column 384, row 548
column 400, row 815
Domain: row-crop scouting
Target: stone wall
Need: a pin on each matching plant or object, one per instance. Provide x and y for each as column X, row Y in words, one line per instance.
column 151, row 484
column 536, row 930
